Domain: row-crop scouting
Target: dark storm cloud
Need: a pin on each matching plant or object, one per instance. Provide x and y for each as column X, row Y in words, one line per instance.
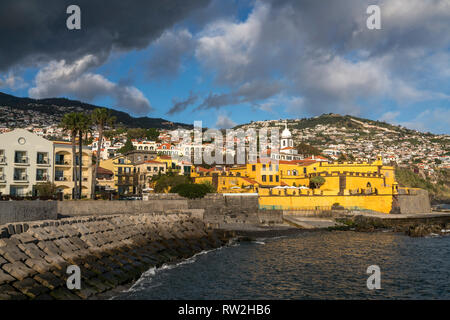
column 35, row 31
column 179, row 106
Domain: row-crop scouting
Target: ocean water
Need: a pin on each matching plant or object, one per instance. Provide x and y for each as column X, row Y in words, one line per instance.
column 307, row 265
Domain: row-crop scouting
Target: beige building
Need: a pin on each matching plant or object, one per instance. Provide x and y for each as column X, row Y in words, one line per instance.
column 64, row 168
column 146, row 170
column 25, row 160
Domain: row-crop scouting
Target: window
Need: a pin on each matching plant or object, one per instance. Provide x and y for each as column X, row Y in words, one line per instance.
column 263, row 177
column 271, row 178
column 277, row 178
column 253, row 167
column 20, row 157
column 270, row 167
column 41, row 175
column 304, row 170
column 263, row 167
column 289, row 172
column 42, row 158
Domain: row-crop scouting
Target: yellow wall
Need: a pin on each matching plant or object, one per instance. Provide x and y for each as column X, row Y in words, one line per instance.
column 380, row 203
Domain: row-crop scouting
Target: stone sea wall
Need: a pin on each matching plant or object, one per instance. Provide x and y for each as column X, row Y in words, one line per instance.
column 111, row 250
column 13, row 211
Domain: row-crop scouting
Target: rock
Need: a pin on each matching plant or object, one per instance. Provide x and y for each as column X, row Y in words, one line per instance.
column 30, row 287
column 18, row 270
column 49, row 280
column 9, row 293
column 5, row 278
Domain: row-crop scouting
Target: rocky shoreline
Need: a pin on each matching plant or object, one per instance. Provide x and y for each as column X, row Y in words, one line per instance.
column 111, row 251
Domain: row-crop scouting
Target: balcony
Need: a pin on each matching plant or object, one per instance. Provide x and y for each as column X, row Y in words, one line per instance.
column 44, row 162
column 21, row 178
column 21, row 160
column 62, row 178
column 63, row 163
column 42, row 178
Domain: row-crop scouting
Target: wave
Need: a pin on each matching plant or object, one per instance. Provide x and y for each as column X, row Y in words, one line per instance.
column 150, row 273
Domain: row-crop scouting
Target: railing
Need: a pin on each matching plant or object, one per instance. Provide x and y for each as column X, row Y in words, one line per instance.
column 42, row 161
column 21, row 178
column 62, row 162
column 63, row 178
column 21, row 160
column 41, row 178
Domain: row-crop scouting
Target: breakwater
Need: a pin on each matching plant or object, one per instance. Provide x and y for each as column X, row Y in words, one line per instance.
column 110, row 250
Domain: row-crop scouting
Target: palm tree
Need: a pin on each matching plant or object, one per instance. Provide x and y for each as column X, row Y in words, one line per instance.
column 69, row 123
column 100, row 117
column 83, row 125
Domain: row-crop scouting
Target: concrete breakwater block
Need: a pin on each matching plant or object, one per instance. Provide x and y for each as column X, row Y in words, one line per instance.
column 110, row 250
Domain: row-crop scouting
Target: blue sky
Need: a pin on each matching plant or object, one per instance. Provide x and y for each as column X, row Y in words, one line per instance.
column 232, row 62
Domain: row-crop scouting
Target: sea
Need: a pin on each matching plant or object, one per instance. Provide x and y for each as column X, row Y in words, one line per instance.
column 307, row 265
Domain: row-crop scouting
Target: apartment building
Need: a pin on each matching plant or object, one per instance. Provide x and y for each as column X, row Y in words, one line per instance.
column 146, row 170
column 25, row 160
column 63, row 167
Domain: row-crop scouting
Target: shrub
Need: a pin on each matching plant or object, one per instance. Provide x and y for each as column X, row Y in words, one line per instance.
column 191, row 190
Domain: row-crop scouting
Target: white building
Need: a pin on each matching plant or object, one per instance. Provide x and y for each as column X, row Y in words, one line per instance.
column 25, row 159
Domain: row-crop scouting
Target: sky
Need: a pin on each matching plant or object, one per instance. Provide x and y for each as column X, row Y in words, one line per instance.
column 232, row 62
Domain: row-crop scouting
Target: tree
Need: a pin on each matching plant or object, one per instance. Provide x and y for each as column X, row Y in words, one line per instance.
column 152, row 134
column 127, row 147
column 69, row 123
column 100, row 118
column 316, row 182
column 46, row 189
column 307, row 150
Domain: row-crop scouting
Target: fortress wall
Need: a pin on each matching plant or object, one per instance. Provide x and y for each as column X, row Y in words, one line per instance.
column 380, row 203
column 110, row 250
column 418, row 201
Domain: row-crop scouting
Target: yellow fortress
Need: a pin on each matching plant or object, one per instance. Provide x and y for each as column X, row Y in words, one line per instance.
column 308, row 184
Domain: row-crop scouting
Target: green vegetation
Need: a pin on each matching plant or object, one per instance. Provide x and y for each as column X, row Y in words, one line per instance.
column 164, row 183
column 127, row 147
column 439, row 191
column 45, row 189
column 191, row 190
column 308, row 150
column 316, row 182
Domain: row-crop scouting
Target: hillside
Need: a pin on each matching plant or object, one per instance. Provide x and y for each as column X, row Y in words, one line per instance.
column 21, row 112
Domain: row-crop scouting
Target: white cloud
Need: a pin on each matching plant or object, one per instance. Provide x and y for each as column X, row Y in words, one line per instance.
column 60, row 78
column 224, row 122
column 434, row 120
column 390, row 116
column 12, row 81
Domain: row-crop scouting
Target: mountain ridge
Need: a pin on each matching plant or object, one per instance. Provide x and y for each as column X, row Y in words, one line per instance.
column 58, row 106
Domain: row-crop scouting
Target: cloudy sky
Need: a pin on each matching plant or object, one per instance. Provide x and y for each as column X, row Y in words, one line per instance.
column 230, row 62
